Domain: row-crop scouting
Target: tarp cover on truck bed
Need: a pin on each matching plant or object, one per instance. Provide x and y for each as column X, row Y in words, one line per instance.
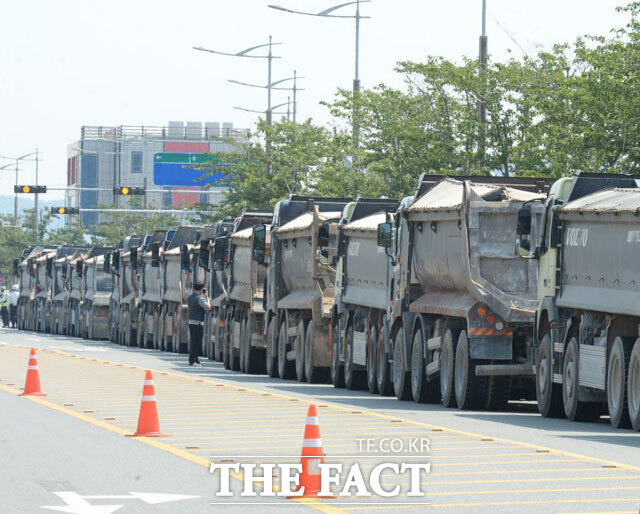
column 304, row 221
column 448, row 195
column 614, row 200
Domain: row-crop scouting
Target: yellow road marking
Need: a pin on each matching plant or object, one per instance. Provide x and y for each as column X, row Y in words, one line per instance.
column 390, row 505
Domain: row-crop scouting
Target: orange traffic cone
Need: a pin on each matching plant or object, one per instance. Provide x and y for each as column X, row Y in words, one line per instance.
column 32, row 384
column 148, row 424
column 312, row 455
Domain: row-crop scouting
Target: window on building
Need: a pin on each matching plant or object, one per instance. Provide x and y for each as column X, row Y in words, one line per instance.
column 136, row 162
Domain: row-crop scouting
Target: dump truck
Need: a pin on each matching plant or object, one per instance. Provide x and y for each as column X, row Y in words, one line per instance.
column 300, row 284
column 245, row 299
column 587, row 345
column 42, row 297
column 462, row 303
column 177, row 284
column 216, row 281
column 148, row 314
column 74, row 286
column 208, row 272
column 59, row 294
column 361, row 297
column 27, row 282
column 96, row 295
column 127, row 283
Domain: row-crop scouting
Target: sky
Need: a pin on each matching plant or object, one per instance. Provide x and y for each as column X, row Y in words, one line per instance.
column 68, row 63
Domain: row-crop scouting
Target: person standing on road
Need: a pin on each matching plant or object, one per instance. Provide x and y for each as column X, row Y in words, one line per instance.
column 4, row 312
column 197, row 304
column 14, row 297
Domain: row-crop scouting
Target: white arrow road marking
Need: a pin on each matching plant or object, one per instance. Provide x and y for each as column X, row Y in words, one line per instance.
column 150, row 498
column 77, row 504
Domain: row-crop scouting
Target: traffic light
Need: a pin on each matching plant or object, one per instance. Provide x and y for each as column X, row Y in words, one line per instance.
column 30, row 189
column 65, row 210
column 128, row 191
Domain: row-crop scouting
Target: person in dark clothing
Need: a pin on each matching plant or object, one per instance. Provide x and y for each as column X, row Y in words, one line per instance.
column 198, row 303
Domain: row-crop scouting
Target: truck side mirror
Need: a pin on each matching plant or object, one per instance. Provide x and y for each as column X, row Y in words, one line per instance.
column 106, row 265
column 259, row 243
column 323, row 235
column 185, row 261
column 384, row 235
column 523, row 227
column 116, row 261
column 155, row 255
column 133, row 259
column 523, row 248
column 203, row 256
column 79, row 268
column 49, row 268
column 220, row 248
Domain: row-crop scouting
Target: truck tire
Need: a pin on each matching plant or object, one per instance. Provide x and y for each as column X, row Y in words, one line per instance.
column 548, row 394
column 354, row 379
column 633, row 386
column 155, row 328
column 299, row 348
column 314, row 374
column 226, row 353
column 337, row 369
column 401, row 375
column 498, row 393
column 383, row 371
column 617, row 378
column 255, row 356
column 244, row 351
column 421, row 390
column 469, row 387
column 285, row 367
column 447, row 367
column 271, row 353
column 372, row 361
column 574, row 409
column 234, row 355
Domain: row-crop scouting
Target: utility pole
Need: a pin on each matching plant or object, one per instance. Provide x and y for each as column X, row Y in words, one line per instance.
column 15, row 200
column 37, row 234
column 267, row 142
column 295, row 89
column 481, row 105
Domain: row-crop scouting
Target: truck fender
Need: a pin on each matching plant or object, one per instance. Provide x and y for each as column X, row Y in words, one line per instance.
column 422, row 322
column 408, row 320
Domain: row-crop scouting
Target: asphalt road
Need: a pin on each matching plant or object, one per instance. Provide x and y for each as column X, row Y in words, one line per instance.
column 505, row 461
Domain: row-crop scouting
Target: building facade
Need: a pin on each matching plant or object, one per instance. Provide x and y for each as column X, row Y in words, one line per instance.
column 160, row 159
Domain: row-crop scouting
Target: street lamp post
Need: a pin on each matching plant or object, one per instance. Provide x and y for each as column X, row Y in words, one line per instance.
column 482, row 106
column 15, row 198
column 357, row 17
column 273, row 85
column 269, row 57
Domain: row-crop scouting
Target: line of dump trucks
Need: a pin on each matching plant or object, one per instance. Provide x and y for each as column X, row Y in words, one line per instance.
column 473, row 292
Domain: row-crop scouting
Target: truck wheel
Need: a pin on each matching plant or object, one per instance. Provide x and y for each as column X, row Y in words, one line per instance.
column 299, row 348
column 401, row 376
column 418, row 386
column 226, row 353
column 469, row 387
column 372, row 361
column 498, row 393
column 617, row 378
column 354, row 379
column 285, row 367
column 383, row 371
column 421, row 390
column 633, row 386
column 337, row 369
column 574, row 409
column 548, row 394
column 244, row 351
column 271, row 353
column 447, row 367
column 314, row 374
